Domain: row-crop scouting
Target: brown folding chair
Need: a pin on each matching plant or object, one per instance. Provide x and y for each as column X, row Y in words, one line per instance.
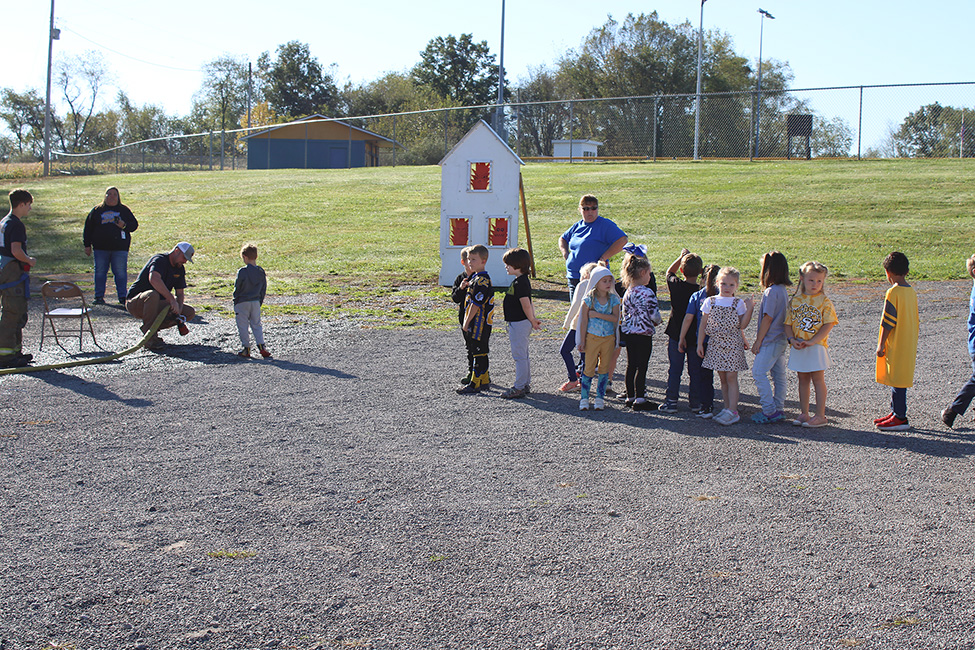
column 64, row 300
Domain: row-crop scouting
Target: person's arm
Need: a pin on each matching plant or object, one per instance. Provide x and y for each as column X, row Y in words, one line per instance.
column 156, row 281
column 820, row 335
column 882, row 345
column 583, row 327
column 700, row 334
column 763, row 328
column 685, row 327
column 472, row 312
column 887, row 324
column 529, row 309
column 564, row 247
column 17, row 248
column 612, row 251
column 675, row 265
column 86, row 235
column 129, row 222
column 746, row 318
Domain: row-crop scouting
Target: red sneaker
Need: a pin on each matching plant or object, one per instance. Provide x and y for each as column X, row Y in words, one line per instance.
column 264, row 352
column 882, row 418
column 894, row 423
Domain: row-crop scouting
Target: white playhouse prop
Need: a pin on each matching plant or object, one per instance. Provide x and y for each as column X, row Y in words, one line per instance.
column 479, row 195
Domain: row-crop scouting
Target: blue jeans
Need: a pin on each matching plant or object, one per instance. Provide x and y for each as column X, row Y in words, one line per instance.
column 704, row 376
column 676, row 359
column 966, row 394
column 898, row 402
column 771, row 361
column 118, row 260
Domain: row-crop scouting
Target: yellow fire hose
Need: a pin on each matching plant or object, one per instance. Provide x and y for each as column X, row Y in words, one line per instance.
column 87, row 362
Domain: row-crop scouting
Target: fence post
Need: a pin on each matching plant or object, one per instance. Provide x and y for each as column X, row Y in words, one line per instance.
column 571, row 120
column 223, row 148
column 655, row 100
column 860, row 124
column 394, row 141
column 143, row 159
column 446, row 112
column 210, row 168
column 350, row 147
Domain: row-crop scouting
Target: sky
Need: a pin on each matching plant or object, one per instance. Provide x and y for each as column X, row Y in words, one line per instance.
column 156, row 50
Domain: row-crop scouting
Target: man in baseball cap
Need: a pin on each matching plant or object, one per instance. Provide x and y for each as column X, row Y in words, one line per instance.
column 163, row 274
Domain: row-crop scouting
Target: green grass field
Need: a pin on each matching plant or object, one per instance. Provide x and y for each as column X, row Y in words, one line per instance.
column 348, row 232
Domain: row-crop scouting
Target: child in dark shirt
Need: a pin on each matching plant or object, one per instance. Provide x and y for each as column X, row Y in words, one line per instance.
column 478, row 319
column 681, row 289
column 459, row 295
column 249, row 291
column 519, row 314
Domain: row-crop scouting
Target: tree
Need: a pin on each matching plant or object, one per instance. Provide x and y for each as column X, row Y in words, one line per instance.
column 458, row 69
column 223, row 95
column 935, row 131
column 294, row 84
column 24, row 116
column 80, row 80
column 831, row 138
column 541, row 123
column 146, row 123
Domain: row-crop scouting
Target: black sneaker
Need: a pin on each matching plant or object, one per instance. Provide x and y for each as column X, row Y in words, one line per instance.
column 948, row 417
column 14, row 361
column 27, row 357
column 98, row 301
column 645, row 405
column 469, row 389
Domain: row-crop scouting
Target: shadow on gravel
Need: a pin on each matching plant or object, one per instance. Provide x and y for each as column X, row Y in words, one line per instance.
column 312, row 370
column 211, row 354
column 89, row 389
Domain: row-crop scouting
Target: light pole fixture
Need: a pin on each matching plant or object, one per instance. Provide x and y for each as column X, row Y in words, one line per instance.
column 758, row 103
column 697, row 103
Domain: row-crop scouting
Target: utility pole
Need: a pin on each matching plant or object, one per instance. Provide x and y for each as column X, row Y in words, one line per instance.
column 53, row 35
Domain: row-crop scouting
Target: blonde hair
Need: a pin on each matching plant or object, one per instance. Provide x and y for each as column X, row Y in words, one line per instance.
column 970, row 265
column 728, row 271
column 249, row 251
column 810, row 267
column 586, row 270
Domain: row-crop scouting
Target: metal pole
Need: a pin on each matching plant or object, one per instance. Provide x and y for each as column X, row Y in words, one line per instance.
column 655, row 99
column 47, row 105
column 248, row 96
column 758, row 104
column 394, row 141
column 211, row 151
column 571, row 137
column 697, row 109
column 350, row 146
column 446, row 112
column 499, row 113
column 223, row 148
column 860, row 124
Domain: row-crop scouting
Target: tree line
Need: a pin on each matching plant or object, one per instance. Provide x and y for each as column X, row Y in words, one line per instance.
column 641, row 55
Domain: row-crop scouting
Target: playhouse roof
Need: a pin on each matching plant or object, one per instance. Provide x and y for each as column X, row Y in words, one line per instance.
column 479, row 128
column 324, row 125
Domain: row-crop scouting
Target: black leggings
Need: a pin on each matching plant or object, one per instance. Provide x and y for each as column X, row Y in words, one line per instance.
column 638, row 350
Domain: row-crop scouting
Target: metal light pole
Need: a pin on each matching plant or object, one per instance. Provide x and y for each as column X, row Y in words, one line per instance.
column 53, row 35
column 758, row 104
column 499, row 112
column 697, row 106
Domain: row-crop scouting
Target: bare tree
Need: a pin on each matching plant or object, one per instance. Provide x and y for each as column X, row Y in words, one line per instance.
column 81, row 80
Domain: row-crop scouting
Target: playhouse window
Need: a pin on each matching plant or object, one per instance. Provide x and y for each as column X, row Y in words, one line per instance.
column 460, row 231
column 480, row 180
column 498, row 231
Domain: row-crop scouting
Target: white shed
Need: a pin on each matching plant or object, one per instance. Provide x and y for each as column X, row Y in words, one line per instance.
column 575, row 149
column 479, row 181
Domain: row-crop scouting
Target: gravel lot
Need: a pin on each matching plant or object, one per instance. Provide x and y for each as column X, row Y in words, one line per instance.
column 342, row 496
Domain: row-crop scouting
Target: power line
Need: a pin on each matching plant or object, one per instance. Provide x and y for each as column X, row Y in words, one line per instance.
column 128, row 56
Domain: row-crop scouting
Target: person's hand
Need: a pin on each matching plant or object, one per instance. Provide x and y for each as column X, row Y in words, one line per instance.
column 536, row 324
column 31, row 262
column 582, row 348
column 464, row 283
column 744, row 341
column 756, row 348
column 120, row 223
column 700, row 351
column 684, row 252
column 681, row 346
column 88, row 251
column 174, row 306
column 604, row 263
column 881, row 349
column 749, row 303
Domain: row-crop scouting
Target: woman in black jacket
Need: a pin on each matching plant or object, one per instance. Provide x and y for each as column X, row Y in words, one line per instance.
column 107, row 231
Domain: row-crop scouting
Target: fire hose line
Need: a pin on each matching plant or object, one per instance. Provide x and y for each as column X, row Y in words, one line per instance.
column 87, row 362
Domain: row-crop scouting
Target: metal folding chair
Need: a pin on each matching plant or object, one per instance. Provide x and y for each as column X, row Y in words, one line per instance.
column 65, row 300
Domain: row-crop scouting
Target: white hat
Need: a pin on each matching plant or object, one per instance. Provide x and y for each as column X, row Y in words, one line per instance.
column 187, row 250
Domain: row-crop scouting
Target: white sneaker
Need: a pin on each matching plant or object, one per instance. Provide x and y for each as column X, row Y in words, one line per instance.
column 722, row 414
column 598, row 404
column 731, row 418
column 584, row 404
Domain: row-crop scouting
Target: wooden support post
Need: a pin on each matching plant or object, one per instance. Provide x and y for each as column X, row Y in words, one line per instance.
column 524, row 214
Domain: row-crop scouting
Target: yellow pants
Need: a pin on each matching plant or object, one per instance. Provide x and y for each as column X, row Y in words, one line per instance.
column 599, row 348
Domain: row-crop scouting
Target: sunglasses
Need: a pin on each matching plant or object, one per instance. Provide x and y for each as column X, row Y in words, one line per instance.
column 589, row 207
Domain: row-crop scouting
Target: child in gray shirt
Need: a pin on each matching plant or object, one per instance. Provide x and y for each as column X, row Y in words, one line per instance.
column 249, row 290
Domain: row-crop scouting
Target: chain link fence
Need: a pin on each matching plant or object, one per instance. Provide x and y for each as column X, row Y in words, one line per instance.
column 856, row 122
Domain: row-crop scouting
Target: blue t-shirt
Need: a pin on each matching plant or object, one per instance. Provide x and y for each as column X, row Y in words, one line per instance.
column 694, row 307
column 587, row 242
column 971, row 322
column 598, row 326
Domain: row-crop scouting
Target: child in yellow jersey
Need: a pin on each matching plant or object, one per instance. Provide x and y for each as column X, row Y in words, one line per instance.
column 897, row 342
column 808, row 321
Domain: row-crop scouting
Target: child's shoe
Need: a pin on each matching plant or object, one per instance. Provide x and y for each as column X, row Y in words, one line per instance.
column 598, row 404
column 584, row 404
column 761, row 418
column 894, row 423
column 264, row 352
column 246, row 352
column 515, row 393
column 569, row 387
column 730, row 418
column 703, row 412
column 628, row 402
column 469, row 389
column 882, row 418
column 948, row 417
column 643, row 404
column 668, row 407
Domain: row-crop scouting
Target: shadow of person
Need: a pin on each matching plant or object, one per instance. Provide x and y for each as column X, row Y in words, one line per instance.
column 87, row 388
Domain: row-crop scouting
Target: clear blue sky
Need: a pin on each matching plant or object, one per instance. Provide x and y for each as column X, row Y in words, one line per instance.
column 827, row 43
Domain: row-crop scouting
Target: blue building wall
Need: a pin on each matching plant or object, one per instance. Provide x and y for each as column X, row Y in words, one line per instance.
column 290, row 154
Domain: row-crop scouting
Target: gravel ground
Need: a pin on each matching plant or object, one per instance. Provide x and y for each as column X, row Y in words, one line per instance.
column 342, row 496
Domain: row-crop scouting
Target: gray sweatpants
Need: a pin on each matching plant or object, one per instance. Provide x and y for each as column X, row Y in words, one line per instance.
column 248, row 316
column 518, row 334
